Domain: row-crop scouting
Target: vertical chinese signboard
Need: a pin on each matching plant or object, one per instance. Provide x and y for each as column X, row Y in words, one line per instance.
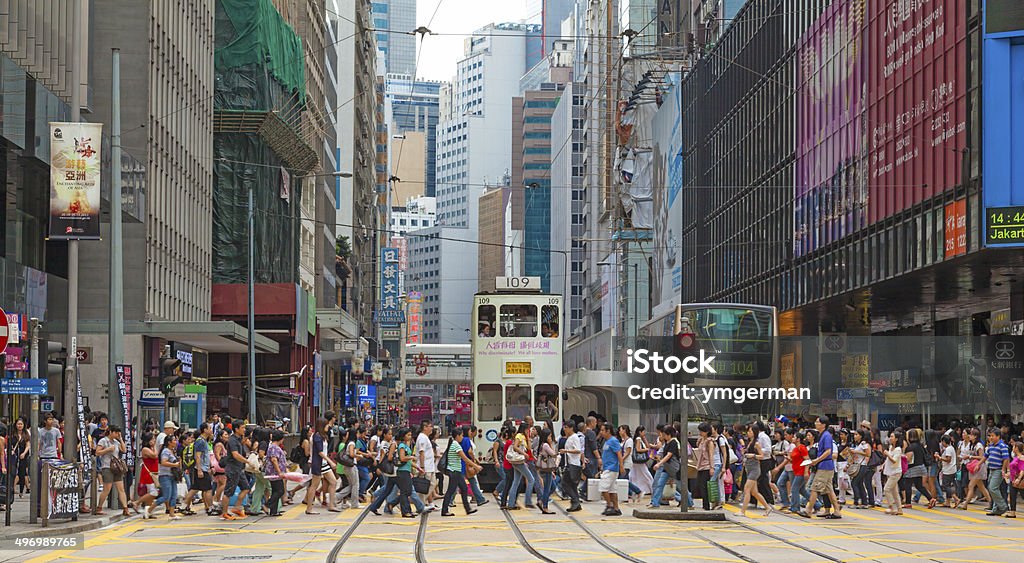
column 389, row 311
column 124, row 387
column 955, row 230
column 918, row 105
column 75, row 180
column 415, row 300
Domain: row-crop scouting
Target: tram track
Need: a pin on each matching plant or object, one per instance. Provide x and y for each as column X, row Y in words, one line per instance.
column 332, row 556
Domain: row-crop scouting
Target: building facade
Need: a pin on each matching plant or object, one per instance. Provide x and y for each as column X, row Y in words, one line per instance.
column 567, row 201
column 396, row 19
column 413, row 107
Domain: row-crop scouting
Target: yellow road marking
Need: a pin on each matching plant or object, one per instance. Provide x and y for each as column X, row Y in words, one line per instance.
column 293, row 512
column 100, row 539
column 910, row 516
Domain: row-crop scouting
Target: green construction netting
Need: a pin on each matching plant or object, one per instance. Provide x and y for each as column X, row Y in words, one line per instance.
column 251, row 33
column 242, row 161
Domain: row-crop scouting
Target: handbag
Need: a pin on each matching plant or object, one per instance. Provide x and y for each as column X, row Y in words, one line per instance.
column 118, row 467
column 852, row 469
column 421, row 485
column 640, row 456
column 876, row 459
column 973, row 466
column 714, row 495
column 1018, row 481
column 904, row 466
column 514, row 457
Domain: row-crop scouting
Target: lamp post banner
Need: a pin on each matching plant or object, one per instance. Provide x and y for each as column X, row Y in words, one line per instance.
column 75, row 166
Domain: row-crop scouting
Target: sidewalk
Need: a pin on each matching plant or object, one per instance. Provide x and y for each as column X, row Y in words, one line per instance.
column 20, row 526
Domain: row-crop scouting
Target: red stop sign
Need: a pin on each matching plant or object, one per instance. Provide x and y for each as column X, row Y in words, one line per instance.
column 3, row 330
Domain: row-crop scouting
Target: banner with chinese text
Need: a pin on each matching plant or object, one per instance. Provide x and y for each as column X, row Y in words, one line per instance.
column 75, row 180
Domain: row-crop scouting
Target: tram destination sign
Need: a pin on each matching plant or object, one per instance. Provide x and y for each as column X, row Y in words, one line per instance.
column 521, row 283
column 1004, row 225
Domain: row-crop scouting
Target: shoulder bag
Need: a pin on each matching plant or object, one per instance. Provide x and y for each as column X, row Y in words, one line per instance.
column 1018, row 482
column 514, row 456
column 386, row 465
column 118, row 467
column 344, row 458
column 640, row 454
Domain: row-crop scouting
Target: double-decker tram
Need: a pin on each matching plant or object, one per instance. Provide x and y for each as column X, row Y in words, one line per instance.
column 517, row 356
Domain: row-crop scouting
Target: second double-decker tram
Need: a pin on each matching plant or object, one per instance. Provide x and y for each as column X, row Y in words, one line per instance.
column 517, row 356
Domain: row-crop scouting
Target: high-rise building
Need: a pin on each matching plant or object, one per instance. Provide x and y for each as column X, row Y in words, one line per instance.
column 395, row 20
column 413, row 108
column 531, row 163
column 568, row 201
column 473, row 150
column 357, row 217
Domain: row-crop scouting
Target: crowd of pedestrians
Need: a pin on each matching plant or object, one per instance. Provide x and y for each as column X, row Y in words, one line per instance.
column 232, row 469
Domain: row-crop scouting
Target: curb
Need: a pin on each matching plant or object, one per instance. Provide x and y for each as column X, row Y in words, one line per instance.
column 75, row 528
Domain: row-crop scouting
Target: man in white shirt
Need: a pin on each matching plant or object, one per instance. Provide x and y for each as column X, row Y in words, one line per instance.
column 425, row 456
column 169, row 428
column 573, row 453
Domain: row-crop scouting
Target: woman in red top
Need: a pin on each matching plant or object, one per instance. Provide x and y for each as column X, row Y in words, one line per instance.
column 797, row 492
column 147, row 480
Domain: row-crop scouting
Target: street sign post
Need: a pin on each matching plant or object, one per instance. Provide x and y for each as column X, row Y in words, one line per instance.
column 4, row 331
column 26, row 386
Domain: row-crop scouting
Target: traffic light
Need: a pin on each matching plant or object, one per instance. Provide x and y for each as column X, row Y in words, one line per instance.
column 170, row 373
column 54, row 366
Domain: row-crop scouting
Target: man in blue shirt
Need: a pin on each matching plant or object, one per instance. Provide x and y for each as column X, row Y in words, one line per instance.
column 825, row 470
column 997, row 457
column 611, row 461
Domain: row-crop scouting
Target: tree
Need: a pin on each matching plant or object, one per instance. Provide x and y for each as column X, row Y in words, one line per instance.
column 342, row 247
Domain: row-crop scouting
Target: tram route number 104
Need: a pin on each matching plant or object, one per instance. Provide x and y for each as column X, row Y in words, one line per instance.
column 521, row 282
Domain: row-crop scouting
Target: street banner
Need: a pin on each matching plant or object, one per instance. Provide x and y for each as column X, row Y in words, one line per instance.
column 75, row 180
column 63, row 491
column 124, row 386
column 83, row 432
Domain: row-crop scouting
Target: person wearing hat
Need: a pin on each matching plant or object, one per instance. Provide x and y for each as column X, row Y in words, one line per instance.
column 169, row 428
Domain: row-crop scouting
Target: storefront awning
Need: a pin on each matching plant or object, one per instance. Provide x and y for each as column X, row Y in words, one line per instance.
column 226, row 337
column 337, row 324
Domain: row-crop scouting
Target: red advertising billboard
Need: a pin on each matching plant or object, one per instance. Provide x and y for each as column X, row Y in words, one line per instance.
column 956, row 228
column 917, row 107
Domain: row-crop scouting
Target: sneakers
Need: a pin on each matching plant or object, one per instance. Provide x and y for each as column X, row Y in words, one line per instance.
column 611, row 512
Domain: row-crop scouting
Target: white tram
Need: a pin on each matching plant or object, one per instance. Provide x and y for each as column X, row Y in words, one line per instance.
column 517, row 357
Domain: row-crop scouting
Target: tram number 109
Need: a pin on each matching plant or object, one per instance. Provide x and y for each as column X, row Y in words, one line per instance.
column 523, row 282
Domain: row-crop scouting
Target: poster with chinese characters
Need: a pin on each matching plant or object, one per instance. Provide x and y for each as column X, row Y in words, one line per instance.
column 75, row 180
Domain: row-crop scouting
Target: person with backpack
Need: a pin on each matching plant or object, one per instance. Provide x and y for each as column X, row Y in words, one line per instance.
column 196, row 460
column 451, row 465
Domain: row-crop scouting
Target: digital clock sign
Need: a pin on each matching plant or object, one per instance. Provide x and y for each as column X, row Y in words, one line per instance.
column 1004, row 225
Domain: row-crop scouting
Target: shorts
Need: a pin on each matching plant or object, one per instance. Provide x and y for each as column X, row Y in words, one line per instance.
column 933, row 470
column 202, row 484
column 608, row 480
column 822, row 482
column 235, row 479
column 108, row 475
column 432, row 477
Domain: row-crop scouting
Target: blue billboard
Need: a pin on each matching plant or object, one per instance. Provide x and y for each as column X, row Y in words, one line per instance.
column 1002, row 125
